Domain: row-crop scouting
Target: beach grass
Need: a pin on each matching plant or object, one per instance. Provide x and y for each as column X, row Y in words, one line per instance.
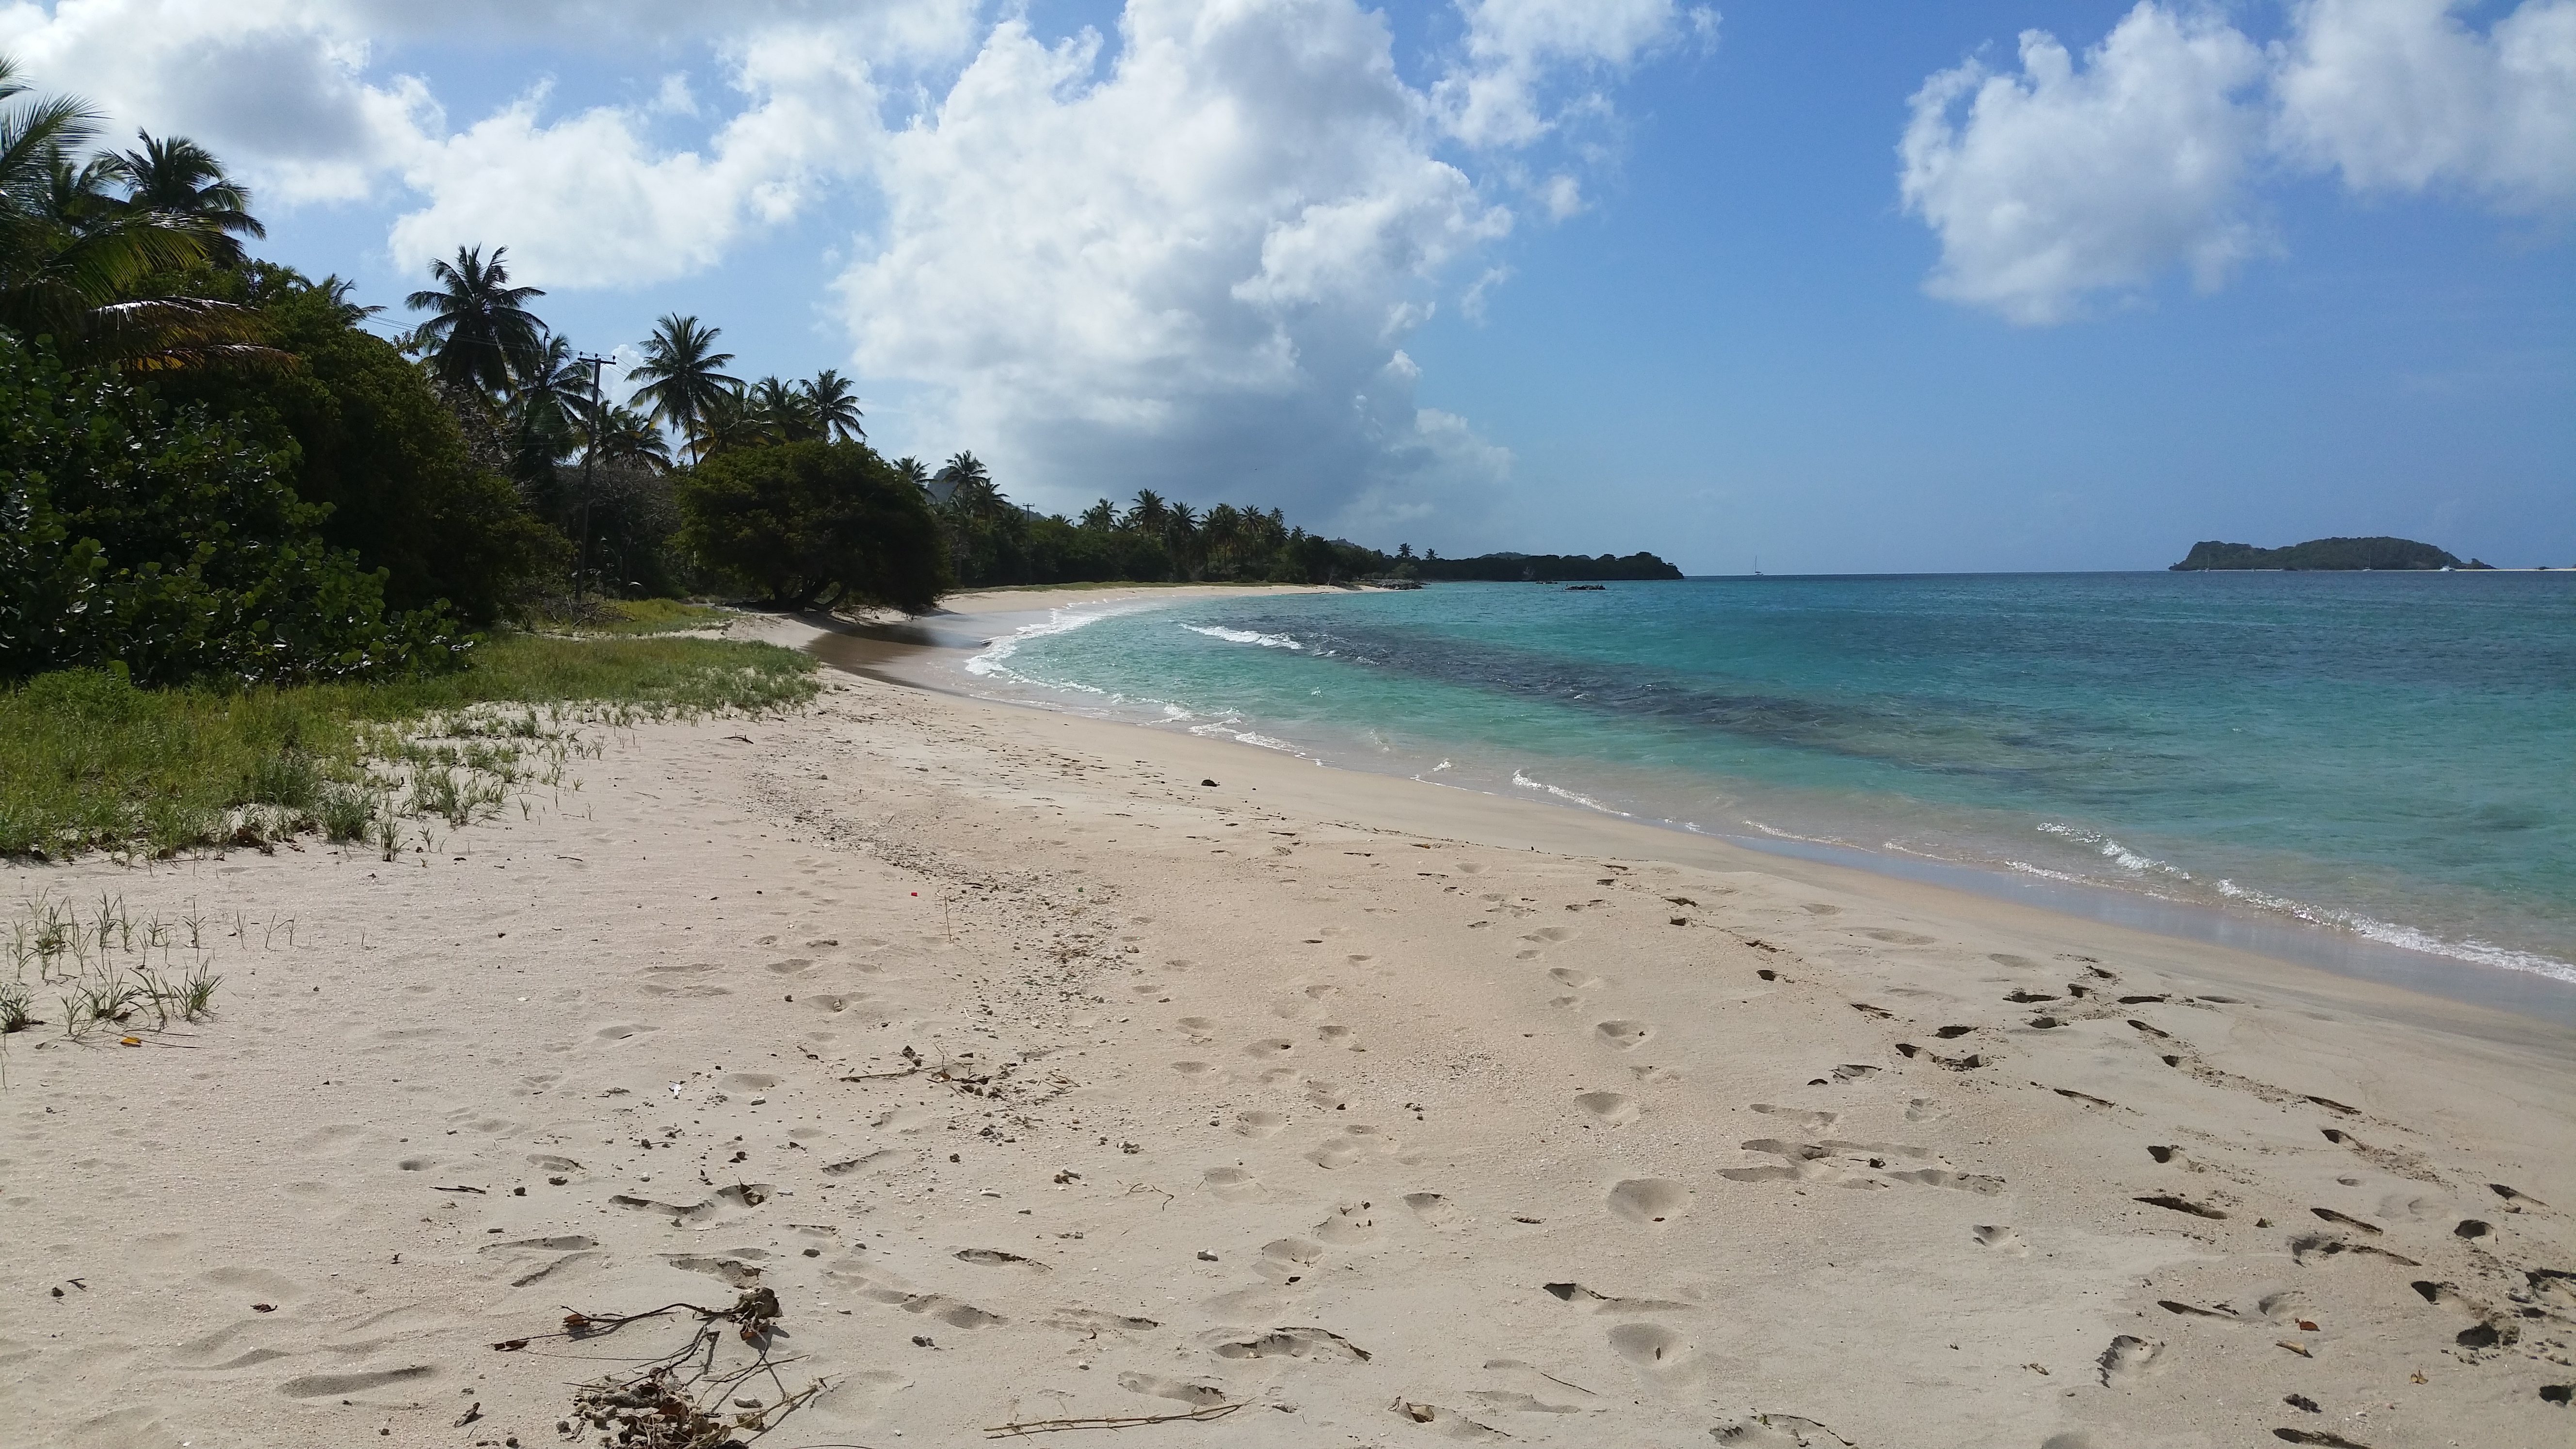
column 626, row 617
column 88, row 762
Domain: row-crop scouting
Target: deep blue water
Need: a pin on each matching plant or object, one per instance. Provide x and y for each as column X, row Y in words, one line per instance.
column 2387, row 755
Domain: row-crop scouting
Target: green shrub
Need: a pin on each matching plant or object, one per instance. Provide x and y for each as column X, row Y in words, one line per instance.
column 814, row 523
column 166, row 544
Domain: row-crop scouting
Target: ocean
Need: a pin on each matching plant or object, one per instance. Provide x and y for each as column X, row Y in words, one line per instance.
column 2353, row 761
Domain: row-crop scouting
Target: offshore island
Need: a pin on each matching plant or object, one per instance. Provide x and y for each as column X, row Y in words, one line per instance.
column 2323, row 555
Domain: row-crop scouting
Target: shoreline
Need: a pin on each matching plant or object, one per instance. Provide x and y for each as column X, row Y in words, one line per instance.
column 1046, row 1068
column 2305, row 944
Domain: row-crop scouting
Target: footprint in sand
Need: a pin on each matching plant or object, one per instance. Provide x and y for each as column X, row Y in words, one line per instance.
column 1624, row 1035
column 1303, row 1343
column 1258, row 1124
column 1898, row 938
column 1233, row 1184
column 338, row 1386
column 1789, row 1431
column 1434, row 1210
column 1207, row 1393
column 1447, row 1423
column 2130, row 1359
column 1651, row 1346
column 1819, row 908
column 746, row 1081
column 1551, row 935
column 1349, row 1146
column 1193, row 1069
column 1610, row 1108
column 1578, row 980
column 1202, row 1029
column 1275, row 1046
column 1350, row 1223
column 1798, row 1117
column 1286, row 1260
column 1649, row 1200
column 2007, row 1241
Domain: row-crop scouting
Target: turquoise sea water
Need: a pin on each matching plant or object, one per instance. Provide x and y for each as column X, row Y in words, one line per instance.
column 2386, row 756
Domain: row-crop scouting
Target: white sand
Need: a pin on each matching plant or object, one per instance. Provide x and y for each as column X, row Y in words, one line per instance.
column 1394, row 1114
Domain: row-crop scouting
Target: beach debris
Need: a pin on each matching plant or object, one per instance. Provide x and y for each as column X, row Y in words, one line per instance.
column 2316, row 1436
column 1108, row 1421
column 2511, row 1196
column 679, row 1399
column 1207, row 784
column 255, row 1308
column 2171, row 1203
column 2471, row 1228
column 1879, row 1013
column 2303, row 1404
column 2300, row 1349
column 2330, row 1215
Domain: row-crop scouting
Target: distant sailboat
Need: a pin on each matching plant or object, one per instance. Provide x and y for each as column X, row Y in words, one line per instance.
column 1757, row 565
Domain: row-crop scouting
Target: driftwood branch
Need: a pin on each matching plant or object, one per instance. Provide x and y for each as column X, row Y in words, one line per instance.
column 1114, row 1421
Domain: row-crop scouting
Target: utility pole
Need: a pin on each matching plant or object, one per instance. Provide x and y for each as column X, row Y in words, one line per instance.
column 589, row 451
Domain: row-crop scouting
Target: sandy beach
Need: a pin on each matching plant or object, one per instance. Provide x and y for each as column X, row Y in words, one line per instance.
column 1048, row 1069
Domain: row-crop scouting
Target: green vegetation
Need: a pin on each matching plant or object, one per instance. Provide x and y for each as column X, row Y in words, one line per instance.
column 2323, row 554
column 594, row 616
column 104, row 969
column 1524, row 567
column 89, row 761
column 264, row 571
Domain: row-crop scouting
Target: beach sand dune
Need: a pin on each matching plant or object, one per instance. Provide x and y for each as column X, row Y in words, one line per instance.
column 1051, row 1069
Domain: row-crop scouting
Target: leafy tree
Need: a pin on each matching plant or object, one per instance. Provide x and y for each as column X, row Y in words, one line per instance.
column 172, row 548
column 683, row 375
column 813, row 524
column 365, row 433
column 479, row 332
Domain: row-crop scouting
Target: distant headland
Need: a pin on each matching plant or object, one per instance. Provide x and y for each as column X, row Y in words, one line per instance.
column 2323, row 554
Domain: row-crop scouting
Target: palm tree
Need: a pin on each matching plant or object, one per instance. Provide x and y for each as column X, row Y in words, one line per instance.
column 834, row 407
column 1101, row 516
column 682, row 375
column 72, row 257
column 729, row 419
column 910, row 469
column 548, row 407
column 337, row 291
column 478, row 333
column 783, row 411
column 623, row 435
column 1149, row 512
column 969, row 485
column 180, row 179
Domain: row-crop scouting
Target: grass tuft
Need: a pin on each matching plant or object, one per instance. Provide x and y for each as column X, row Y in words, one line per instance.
column 88, row 762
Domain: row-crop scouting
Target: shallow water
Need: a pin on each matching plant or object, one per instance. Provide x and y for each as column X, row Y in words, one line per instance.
column 2390, row 757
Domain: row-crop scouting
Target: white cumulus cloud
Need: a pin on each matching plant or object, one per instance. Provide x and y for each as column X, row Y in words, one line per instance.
column 2066, row 182
column 2399, row 95
column 1190, row 270
column 1516, row 47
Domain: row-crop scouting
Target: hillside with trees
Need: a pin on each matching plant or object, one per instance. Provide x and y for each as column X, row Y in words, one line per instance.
column 2322, row 554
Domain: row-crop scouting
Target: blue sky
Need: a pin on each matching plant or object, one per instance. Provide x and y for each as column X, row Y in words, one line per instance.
column 1511, row 273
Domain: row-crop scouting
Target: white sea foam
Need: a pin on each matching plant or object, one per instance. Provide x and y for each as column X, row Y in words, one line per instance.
column 1244, row 636
column 1569, row 796
column 2114, row 851
column 2389, row 933
column 1058, row 621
